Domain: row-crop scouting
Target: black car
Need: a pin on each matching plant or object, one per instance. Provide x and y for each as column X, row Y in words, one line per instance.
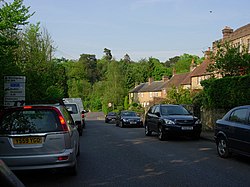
column 128, row 119
column 111, row 116
column 232, row 132
column 167, row 119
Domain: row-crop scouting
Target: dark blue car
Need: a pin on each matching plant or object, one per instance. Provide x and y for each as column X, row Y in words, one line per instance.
column 167, row 120
column 232, row 132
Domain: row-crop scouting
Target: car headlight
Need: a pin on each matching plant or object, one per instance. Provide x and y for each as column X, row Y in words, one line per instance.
column 169, row 122
column 198, row 122
column 125, row 120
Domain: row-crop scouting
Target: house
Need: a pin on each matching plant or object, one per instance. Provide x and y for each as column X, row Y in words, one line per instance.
column 239, row 37
column 155, row 91
column 146, row 93
column 134, row 93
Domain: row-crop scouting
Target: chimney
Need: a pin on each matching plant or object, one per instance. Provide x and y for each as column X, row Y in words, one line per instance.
column 150, row 80
column 174, row 72
column 227, row 31
column 165, row 78
column 207, row 54
column 192, row 65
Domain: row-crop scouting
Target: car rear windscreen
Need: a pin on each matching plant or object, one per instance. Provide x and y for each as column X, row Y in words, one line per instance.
column 72, row 108
column 29, row 121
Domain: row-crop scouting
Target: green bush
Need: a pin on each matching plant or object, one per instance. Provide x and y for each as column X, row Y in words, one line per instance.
column 226, row 92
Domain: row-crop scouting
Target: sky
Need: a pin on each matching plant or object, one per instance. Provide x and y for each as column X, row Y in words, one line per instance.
column 161, row 29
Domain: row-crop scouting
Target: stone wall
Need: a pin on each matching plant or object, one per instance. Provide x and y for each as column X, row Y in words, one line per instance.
column 209, row 116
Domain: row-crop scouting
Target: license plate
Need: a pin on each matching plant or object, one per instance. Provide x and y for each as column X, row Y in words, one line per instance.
column 186, row 128
column 27, row 140
column 132, row 122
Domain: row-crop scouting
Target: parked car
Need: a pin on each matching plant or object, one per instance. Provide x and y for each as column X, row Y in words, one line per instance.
column 110, row 117
column 232, row 132
column 78, row 101
column 76, row 114
column 39, row 137
column 128, row 119
column 168, row 119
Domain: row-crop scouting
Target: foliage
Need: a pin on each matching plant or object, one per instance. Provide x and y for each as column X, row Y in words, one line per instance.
column 183, row 64
column 114, row 85
column 45, row 77
column 231, row 60
column 172, row 61
column 126, row 104
column 227, row 92
column 12, row 17
column 108, row 55
column 88, row 67
column 178, row 96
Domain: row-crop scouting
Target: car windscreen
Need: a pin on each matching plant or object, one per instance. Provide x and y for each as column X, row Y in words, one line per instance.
column 111, row 114
column 173, row 110
column 128, row 114
column 72, row 108
column 29, row 121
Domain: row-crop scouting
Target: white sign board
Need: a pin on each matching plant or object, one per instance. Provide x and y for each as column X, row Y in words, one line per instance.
column 14, row 90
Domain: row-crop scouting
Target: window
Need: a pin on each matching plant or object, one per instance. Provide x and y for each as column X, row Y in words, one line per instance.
column 151, row 109
column 238, row 115
column 157, row 110
column 29, row 121
column 150, row 94
column 72, row 108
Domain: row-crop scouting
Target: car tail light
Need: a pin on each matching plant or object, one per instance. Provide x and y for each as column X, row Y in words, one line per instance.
column 63, row 123
column 27, row 107
column 61, row 158
column 62, row 120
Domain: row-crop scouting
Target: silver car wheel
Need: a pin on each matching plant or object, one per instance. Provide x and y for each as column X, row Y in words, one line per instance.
column 147, row 131
column 161, row 134
column 222, row 147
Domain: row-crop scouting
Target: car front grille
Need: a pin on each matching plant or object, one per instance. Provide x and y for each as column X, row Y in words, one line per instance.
column 184, row 122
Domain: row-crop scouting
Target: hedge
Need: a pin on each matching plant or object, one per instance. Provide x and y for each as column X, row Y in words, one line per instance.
column 226, row 92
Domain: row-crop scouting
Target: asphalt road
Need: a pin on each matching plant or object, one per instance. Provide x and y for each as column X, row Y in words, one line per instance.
column 113, row 156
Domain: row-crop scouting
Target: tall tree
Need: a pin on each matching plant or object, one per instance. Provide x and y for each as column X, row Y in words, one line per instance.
column 231, row 60
column 114, row 87
column 12, row 17
column 45, row 78
column 171, row 61
column 183, row 64
column 89, row 64
column 108, row 54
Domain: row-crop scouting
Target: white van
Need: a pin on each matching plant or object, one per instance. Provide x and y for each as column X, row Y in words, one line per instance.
column 75, row 107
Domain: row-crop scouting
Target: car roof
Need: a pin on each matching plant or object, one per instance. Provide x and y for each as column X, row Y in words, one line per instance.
column 33, row 105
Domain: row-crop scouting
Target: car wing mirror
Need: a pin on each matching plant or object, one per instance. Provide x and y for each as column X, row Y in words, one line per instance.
column 158, row 114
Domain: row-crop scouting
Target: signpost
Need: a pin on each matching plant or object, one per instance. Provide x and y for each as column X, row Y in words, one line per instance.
column 14, row 90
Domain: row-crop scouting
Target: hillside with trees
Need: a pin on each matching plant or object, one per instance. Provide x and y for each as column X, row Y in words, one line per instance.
column 27, row 49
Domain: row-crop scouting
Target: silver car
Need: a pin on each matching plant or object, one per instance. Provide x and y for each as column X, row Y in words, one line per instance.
column 39, row 137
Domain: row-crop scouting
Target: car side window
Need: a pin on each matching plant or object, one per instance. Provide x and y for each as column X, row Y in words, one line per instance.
column 157, row 110
column 68, row 117
column 151, row 109
column 248, row 119
column 239, row 115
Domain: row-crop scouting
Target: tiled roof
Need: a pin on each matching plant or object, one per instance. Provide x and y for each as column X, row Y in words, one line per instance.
column 201, row 69
column 176, row 80
column 240, row 32
column 137, row 88
column 153, row 87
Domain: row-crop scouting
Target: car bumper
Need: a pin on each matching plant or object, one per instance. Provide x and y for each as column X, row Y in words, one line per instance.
column 183, row 130
column 131, row 124
column 48, row 161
